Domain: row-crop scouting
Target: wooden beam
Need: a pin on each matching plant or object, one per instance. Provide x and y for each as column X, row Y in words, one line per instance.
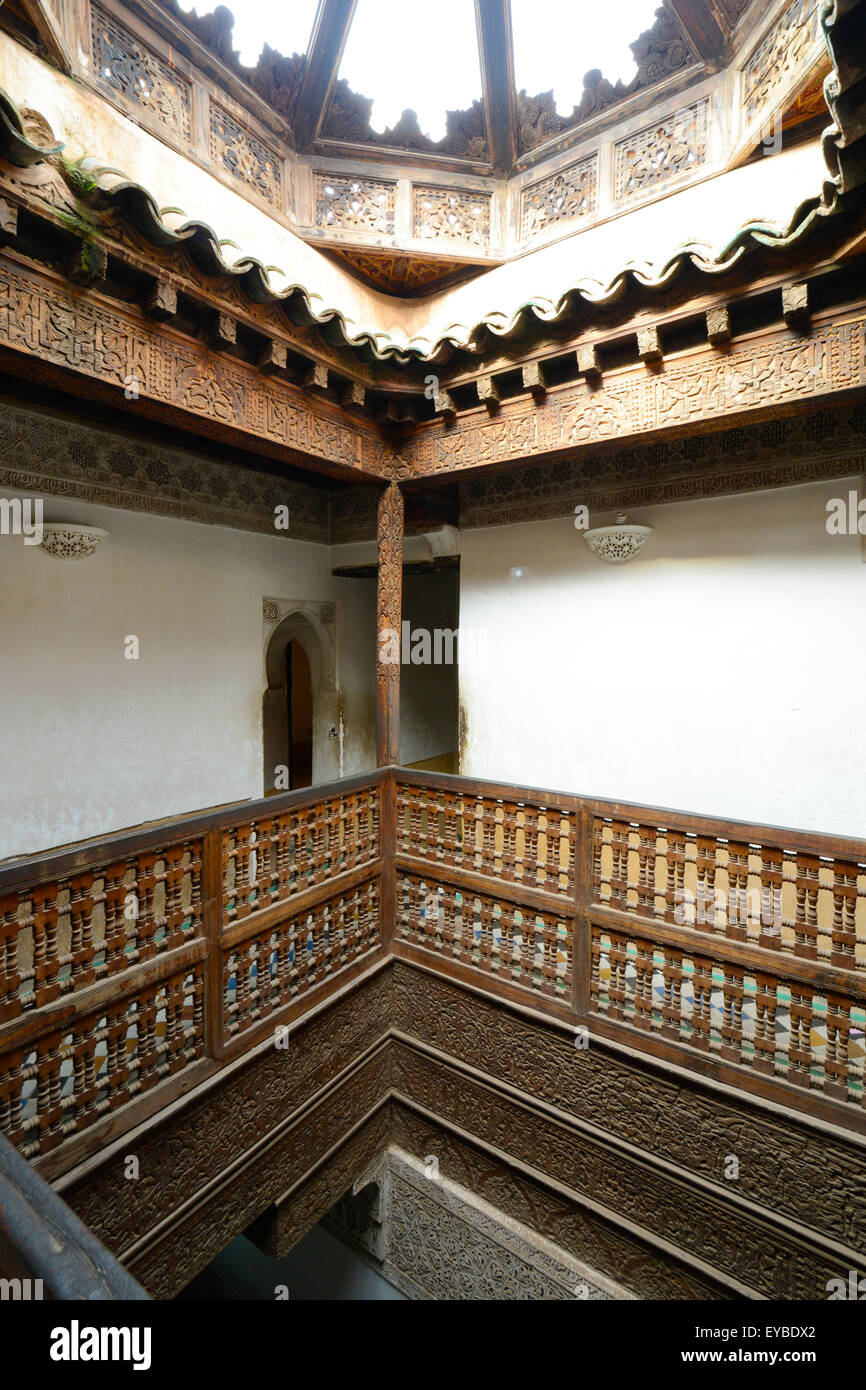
column 495, row 48
column 700, row 22
column 315, row 378
column 50, row 32
column 443, row 404
column 323, row 61
column 534, row 379
column 354, row 397
column 488, row 392
column 588, row 361
column 272, row 357
column 649, row 345
column 718, row 325
column 223, row 332
column 160, row 302
column 389, row 614
column 795, row 304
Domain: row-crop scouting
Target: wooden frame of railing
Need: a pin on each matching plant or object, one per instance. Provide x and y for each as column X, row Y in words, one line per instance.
column 134, row 967
column 731, row 950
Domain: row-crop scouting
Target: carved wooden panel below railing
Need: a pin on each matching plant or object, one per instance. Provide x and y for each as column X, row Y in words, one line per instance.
column 486, row 879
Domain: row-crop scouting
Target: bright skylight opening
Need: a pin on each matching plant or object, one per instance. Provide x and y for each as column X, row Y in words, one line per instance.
column 556, row 42
column 286, row 27
column 414, row 54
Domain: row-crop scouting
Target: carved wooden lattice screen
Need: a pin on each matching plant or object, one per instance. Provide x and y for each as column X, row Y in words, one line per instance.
column 132, row 967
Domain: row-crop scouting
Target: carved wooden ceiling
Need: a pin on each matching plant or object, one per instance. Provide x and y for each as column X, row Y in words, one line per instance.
column 403, row 275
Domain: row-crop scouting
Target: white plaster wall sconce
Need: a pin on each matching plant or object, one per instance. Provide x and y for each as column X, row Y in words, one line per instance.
column 618, row 543
column 66, row 541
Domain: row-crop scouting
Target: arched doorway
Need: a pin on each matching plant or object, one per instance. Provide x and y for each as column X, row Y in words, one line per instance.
column 298, row 745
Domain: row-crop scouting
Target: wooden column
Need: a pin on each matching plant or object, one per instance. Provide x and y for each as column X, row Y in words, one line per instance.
column 389, row 603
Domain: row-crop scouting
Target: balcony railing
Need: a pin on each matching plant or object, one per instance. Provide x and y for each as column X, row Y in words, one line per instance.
column 133, row 968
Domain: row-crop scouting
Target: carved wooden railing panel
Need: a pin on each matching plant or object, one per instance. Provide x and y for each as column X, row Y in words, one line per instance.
column 271, row 858
column 60, row 936
column 486, row 879
column 75, row 1072
column 529, row 945
column 268, row 969
column 739, row 945
column 133, row 967
column 531, row 843
column 781, row 899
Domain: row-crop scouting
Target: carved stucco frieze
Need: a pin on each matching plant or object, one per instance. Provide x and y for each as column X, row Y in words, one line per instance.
column 666, row 150
column 569, row 195
column 64, row 458
column 776, row 453
column 355, row 203
column 245, row 156
column 450, row 214
column 123, row 63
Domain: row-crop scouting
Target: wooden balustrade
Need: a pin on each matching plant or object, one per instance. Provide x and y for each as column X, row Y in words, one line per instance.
column 733, row 950
column 132, row 968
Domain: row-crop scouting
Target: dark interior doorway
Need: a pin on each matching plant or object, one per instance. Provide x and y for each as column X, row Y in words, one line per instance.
column 299, row 715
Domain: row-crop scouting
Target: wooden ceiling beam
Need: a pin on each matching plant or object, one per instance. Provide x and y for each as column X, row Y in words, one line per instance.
column 699, row 19
column 495, row 48
column 330, row 31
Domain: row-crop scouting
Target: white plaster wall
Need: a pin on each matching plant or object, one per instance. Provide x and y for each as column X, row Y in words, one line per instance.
column 722, row 671
column 428, row 694
column 91, row 742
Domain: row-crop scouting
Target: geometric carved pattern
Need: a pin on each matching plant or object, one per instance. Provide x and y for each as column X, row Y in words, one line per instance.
column 364, row 204
column 438, row 1240
column 566, row 196
column 247, row 158
column 773, row 370
column 450, row 214
column 51, row 322
column 675, row 145
column 56, row 455
column 269, row 859
column 801, row 448
column 121, row 61
column 786, row 1166
column 780, row 54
